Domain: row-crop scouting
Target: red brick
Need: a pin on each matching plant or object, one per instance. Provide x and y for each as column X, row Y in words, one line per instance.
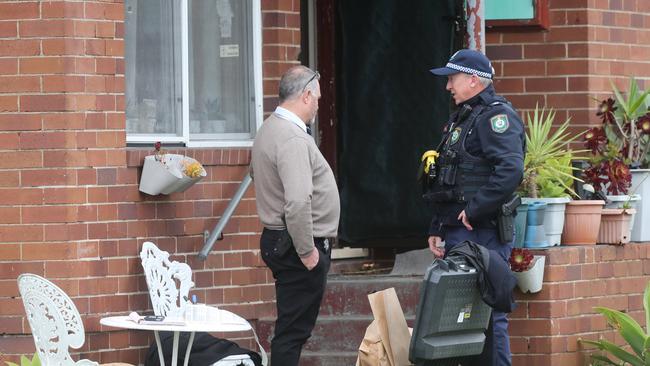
column 96, row 47
column 8, row 29
column 66, row 46
column 62, row 9
column 20, row 122
column 104, row 11
column 9, row 178
column 546, row 84
column 8, row 104
column 45, row 28
column 64, row 195
column 20, row 233
column 46, row 177
column 49, row 214
column 9, row 141
column 68, row 232
column 43, row 103
column 46, row 140
column 17, row 84
column 21, row 159
column 45, row 65
column 8, row 66
column 19, row 10
column 105, row 30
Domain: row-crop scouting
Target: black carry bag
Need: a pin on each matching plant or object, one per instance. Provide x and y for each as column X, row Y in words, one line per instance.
column 206, row 350
column 451, row 317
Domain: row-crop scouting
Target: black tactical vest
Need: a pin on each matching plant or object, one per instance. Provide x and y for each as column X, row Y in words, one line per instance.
column 460, row 174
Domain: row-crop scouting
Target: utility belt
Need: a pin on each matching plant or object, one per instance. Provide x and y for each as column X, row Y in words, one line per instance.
column 505, row 221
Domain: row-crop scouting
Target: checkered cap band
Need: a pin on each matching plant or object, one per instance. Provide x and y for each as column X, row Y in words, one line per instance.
column 469, row 70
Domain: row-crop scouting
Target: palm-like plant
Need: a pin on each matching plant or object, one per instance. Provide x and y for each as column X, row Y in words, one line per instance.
column 24, row 361
column 548, row 156
column 631, row 331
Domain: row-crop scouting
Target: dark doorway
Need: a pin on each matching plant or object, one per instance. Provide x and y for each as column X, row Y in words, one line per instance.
column 381, row 109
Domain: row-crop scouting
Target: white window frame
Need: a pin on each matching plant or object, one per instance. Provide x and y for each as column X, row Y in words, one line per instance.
column 258, row 93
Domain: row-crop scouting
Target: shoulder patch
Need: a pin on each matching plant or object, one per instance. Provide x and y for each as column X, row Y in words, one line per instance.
column 499, row 123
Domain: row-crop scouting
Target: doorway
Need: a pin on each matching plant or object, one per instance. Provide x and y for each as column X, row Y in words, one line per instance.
column 381, row 108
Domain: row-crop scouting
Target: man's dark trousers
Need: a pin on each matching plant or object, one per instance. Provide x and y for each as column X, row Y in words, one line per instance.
column 497, row 345
column 298, row 294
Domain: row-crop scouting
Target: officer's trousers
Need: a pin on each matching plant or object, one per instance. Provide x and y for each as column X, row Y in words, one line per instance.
column 497, row 345
column 298, row 296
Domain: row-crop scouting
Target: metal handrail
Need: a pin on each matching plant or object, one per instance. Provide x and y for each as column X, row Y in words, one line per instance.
column 217, row 233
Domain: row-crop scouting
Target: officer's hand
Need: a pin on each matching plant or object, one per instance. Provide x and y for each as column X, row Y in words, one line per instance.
column 435, row 244
column 311, row 260
column 463, row 217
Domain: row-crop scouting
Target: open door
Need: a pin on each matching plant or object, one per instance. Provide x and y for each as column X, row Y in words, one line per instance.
column 381, row 109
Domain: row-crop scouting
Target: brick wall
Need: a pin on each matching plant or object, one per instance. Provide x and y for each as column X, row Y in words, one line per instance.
column 70, row 209
column 545, row 328
column 588, row 43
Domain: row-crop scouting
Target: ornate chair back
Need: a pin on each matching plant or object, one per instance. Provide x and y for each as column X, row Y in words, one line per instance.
column 54, row 320
column 167, row 298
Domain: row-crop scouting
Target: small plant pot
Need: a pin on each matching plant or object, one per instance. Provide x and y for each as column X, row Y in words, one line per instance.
column 520, row 225
column 535, row 230
column 615, row 226
column 532, row 280
column 166, row 176
column 582, row 222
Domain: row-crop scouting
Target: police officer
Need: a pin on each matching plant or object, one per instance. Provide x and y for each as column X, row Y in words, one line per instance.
column 480, row 166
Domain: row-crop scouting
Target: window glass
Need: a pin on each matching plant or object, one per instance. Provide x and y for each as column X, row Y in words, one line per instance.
column 152, row 57
column 509, row 9
column 220, row 101
column 219, row 69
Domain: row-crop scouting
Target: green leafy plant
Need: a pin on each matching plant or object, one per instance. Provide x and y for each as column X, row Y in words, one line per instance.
column 24, row 361
column 547, row 166
column 637, row 339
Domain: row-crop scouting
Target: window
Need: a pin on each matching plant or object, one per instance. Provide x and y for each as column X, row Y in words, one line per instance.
column 193, row 71
column 516, row 14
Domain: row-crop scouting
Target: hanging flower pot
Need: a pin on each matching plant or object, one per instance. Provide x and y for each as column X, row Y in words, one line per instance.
column 532, row 280
column 528, row 269
column 169, row 173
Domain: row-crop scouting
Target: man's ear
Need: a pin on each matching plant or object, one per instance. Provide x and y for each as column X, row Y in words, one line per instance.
column 305, row 95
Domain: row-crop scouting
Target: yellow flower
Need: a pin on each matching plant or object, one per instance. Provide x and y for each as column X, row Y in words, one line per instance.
column 192, row 170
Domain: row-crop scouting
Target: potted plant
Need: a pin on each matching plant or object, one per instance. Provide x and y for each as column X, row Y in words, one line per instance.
column 25, row 361
column 583, row 218
column 621, row 145
column 635, row 353
column 168, row 173
column 528, row 269
column 547, row 169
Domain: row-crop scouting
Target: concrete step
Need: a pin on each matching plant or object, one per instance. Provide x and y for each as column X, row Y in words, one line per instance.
column 331, row 333
column 328, row 358
column 344, row 316
column 348, row 295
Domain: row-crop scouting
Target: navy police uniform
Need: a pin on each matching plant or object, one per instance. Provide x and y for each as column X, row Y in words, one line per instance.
column 480, row 166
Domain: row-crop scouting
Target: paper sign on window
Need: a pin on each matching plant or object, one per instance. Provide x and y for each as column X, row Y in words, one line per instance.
column 229, row 50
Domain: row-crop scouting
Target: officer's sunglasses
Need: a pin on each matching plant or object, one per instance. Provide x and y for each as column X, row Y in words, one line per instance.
column 315, row 76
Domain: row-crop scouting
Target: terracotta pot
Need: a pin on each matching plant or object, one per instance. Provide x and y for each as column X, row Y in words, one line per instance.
column 615, row 226
column 582, row 222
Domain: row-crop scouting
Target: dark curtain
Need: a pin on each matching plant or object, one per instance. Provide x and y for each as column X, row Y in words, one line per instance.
column 391, row 110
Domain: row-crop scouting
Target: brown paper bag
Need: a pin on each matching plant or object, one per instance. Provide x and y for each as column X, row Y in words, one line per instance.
column 387, row 338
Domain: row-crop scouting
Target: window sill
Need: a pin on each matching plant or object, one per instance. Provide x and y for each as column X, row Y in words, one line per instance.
column 215, row 156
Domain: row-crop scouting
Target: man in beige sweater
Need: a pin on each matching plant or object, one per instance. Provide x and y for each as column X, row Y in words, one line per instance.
column 298, row 204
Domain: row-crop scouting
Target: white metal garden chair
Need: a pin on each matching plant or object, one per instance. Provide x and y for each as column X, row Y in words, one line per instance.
column 54, row 320
column 170, row 299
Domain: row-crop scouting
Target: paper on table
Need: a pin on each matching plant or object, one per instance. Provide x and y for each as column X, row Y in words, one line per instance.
column 160, row 320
